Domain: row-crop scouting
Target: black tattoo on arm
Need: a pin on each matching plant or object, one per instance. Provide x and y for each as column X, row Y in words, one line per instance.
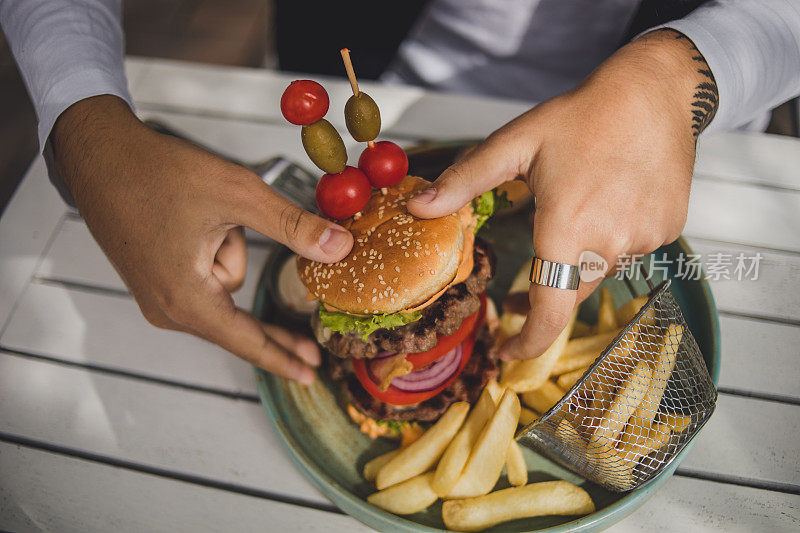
column 706, row 96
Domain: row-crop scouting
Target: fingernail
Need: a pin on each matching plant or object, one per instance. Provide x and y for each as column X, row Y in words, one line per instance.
column 332, row 240
column 308, row 351
column 426, row 196
column 307, row 378
column 506, row 356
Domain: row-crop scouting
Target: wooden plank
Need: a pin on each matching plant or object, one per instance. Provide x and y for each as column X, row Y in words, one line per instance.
column 46, row 491
column 25, row 229
column 772, row 295
column 151, row 424
column 42, row 491
column 760, row 357
column 247, row 141
column 751, row 439
column 405, row 110
column 75, row 257
column 410, row 111
column 253, row 94
column 109, row 330
column 755, row 216
column 135, row 68
column 751, row 158
column 685, row 504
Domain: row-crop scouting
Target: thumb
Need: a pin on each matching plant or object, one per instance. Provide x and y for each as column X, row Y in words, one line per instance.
column 492, row 162
column 309, row 235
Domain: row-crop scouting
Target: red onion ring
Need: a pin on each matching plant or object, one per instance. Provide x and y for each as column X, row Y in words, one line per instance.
column 432, row 376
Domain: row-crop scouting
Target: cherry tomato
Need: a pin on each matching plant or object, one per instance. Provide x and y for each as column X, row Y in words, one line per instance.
column 384, row 163
column 304, row 102
column 342, row 195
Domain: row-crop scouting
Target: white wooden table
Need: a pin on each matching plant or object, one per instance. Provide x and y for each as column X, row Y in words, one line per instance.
column 108, row 424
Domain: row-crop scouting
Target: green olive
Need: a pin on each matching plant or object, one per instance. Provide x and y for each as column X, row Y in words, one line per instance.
column 362, row 116
column 324, row 146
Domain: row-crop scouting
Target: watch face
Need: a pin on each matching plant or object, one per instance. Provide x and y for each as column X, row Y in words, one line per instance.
column 291, row 181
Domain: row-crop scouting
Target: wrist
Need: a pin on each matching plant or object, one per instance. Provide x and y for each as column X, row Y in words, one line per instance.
column 85, row 134
column 677, row 72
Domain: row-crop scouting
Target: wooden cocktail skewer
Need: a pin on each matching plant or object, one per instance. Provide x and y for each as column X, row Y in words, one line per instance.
column 351, row 75
column 348, row 66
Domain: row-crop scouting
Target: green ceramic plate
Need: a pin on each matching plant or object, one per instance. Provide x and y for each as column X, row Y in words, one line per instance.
column 332, row 451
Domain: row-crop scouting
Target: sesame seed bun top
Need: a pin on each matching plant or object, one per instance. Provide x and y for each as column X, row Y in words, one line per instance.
column 398, row 260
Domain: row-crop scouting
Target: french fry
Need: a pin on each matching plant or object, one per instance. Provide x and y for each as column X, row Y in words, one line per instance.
column 610, row 375
column 507, row 367
column 629, row 309
column 568, row 379
column 627, row 399
column 495, row 391
column 569, row 432
column 423, row 453
column 372, row 466
column 455, row 456
column 515, row 465
column 531, row 373
column 606, row 318
column 543, row 398
column 676, row 423
column 581, row 329
column 568, row 363
column 593, row 343
column 522, row 281
column 511, row 324
column 640, row 438
column 664, row 364
column 536, row 499
column 489, row 453
column 411, row 496
column 526, row 416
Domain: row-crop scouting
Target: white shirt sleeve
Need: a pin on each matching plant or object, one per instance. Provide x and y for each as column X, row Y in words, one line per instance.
column 67, row 50
column 753, row 50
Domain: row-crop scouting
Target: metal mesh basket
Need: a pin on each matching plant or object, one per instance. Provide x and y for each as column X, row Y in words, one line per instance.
column 638, row 405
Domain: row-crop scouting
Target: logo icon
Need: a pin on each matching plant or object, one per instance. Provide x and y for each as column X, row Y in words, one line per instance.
column 593, row 266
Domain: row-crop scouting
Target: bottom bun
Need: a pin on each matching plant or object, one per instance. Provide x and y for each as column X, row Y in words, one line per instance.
column 482, row 367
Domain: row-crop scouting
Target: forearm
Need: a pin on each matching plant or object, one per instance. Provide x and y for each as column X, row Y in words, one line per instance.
column 753, row 49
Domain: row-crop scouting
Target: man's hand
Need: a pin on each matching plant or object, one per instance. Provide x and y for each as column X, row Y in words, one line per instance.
column 610, row 164
column 168, row 215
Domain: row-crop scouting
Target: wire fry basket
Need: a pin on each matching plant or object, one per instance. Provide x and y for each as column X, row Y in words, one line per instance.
column 639, row 404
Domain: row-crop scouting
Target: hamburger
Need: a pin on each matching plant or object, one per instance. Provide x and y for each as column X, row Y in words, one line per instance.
column 402, row 317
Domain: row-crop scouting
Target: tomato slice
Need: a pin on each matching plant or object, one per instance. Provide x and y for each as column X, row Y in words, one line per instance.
column 395, row 396
column 448, row 342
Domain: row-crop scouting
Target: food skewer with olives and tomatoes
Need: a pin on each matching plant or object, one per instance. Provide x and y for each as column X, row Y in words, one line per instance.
column 343, row 190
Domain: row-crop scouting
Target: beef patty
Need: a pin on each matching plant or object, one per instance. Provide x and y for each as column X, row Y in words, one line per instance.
column 481, row 367
column 443, row 317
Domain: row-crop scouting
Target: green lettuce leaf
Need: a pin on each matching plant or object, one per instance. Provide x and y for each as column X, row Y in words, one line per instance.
column 364, row 326
column 395, row 426
column 487, row 205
